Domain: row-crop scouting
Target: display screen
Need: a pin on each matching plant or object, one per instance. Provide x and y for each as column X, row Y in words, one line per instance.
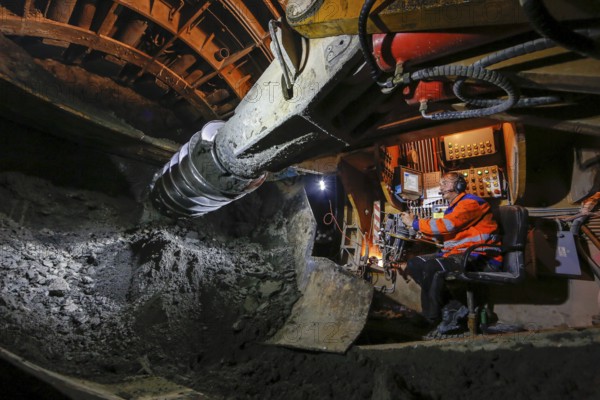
column 411, row 181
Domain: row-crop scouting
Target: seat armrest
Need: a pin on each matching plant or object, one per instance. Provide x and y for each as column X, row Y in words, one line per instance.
column 474, row 247
column 508, row 249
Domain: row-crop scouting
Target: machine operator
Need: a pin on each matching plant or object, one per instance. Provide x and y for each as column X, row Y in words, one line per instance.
column 467, row 221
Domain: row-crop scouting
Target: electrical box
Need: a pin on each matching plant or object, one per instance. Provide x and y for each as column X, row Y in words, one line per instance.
column 554, row 251
column 483, row 181
column 475, row 143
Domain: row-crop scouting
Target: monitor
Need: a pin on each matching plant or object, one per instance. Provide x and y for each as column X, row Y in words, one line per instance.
column 411, row 182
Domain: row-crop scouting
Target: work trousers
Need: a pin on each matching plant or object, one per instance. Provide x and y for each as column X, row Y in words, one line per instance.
column 429, row 272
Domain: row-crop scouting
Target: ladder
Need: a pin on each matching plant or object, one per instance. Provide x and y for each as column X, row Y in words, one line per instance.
column 352, row 240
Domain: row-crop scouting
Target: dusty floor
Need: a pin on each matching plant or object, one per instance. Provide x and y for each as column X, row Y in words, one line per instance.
column 95, row 285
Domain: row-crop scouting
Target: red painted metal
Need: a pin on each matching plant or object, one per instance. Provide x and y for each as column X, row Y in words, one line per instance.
column 428, row 91
column 390, row 49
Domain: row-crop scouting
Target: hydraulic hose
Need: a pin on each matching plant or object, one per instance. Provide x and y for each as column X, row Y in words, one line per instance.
column 363, row 17
column 279, row 56
column 515, row 51
column 545, row 24
column 576, row 231
column 503, row 55
column 491, row 77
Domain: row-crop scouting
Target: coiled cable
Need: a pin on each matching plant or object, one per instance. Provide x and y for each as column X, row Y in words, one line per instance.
column 498, row 57
column 491, row 77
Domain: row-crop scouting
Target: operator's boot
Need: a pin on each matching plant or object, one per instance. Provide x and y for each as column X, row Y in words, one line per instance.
column 454, row 322
column 454, row 319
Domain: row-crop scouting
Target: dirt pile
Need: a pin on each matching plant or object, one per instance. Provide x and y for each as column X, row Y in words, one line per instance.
column 88, row 291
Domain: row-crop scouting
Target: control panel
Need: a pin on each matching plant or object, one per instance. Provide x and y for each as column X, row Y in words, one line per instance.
column 476, row 143
column 431, row 184
column 483, row 181
column 428, row 210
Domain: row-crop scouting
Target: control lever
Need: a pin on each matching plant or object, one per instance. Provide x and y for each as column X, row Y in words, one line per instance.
column 406, row 231
column 411, row 232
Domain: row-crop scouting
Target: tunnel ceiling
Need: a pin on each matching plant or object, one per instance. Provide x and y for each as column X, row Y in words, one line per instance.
column 139, row 77
column 144, row 73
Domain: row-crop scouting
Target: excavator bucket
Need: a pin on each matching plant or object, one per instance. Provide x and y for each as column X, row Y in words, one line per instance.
column 334, row 305
column 330, row 314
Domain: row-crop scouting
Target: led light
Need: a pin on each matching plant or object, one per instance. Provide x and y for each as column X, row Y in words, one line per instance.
column 322, row 184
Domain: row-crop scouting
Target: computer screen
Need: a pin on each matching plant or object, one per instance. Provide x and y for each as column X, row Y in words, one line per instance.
column 411, row 181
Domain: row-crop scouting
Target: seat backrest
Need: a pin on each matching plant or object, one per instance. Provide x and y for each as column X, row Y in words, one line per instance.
column 513, row 225
column 513, row 228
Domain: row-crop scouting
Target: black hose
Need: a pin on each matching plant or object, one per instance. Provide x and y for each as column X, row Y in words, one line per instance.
column 491, row 77
column 364, row 43
column 522, row 103
column 515, row 51
column 575, row 230
column 545, row 24
column 288, row 93
column 503, row 55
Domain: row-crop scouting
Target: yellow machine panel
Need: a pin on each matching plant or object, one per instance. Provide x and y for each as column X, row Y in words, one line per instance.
column 469, row 144
column 483, row 181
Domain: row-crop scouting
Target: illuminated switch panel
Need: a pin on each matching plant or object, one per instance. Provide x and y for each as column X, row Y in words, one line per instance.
column 476, row 143
column 483, row 181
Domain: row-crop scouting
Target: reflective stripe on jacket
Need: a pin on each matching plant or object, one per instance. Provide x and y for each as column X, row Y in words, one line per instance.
column 467, row 221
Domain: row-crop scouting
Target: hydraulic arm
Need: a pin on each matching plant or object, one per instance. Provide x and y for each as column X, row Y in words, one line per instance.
column 280, row 121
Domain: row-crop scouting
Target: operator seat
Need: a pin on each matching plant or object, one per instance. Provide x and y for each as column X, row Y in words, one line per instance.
column 513, row 226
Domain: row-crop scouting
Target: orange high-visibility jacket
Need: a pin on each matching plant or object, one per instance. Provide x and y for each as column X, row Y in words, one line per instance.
column 467, row 221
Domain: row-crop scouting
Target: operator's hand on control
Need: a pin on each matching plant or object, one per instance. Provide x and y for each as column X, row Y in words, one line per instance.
column 407, row 219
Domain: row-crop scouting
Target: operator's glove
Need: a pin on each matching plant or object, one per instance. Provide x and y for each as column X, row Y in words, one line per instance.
column 407, row 219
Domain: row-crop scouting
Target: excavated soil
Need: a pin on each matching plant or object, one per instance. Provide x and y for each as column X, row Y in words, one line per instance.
column 90, row 291
column 96, row 285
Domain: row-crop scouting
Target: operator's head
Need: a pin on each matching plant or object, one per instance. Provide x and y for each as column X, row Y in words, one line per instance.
column 451, row 185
